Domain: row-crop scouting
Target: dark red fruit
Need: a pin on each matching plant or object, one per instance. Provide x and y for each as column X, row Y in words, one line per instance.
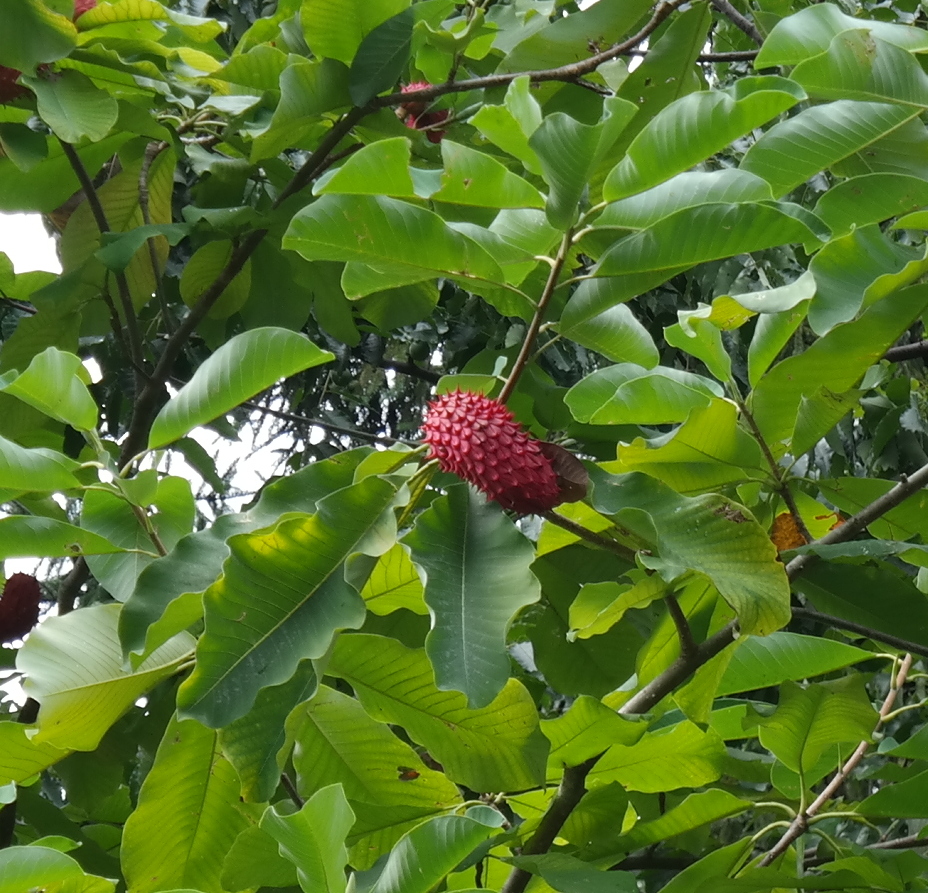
column 479, row 440
column 9, row 89
column 19, row 606
column 82, row 6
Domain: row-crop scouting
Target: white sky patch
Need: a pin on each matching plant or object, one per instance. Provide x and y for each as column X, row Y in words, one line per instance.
column 26, row 242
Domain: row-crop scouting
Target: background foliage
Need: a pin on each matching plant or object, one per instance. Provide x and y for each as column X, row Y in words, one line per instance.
column 684, row 241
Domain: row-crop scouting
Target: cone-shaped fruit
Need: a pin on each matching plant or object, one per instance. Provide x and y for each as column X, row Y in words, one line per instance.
column 479, row 440
column 416, row 117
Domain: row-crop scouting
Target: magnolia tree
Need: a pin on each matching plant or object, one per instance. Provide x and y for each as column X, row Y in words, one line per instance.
column 588, row 338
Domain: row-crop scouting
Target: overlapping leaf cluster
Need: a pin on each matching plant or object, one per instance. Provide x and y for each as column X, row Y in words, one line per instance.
column 699, row 272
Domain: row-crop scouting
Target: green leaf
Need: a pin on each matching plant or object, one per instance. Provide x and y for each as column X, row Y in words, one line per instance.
column 846, row 590
column 510, row 125
column 30, row 33
column 569, row 152
column 905, row 799
column 43, row 868
column 617, row 335
column 393, row 584
column 29, row 536
column 567, row 874
column 810, row 32
column 206, row 265
column 108, row 515
column 588, row 728
column 20, row 756
column 858, row 65
column 765, row 662
column 857, row 270
column 398, row 242
column 38, row 470
column 474, row 178
column 902, row 522
column 381, row 168
column 600, row 606
column 73, row 107
column 628, row 394
column 708, row 535
column 832, row 365
column 707, row 232
column 281, row 599
column 696, row 127
column 119, row 249
column 686, row 190
column 52, row 383
column 707, row 451
column 694, row 812
column 381, row 57
column 245, row 365
column 498, row 747
column 773, row 331
column 795, row 149
column 809, row 720
column 475, row 565
column 334, row 29
column 168, row 594
column 429, row 852
column 870, row 198
column 187, row 816
column 74, row 668
column 254, row 743
column 682, row 756
column 314, row 838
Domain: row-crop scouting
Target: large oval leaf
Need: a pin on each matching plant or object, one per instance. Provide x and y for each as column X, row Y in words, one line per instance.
column 241, row 368
column 476, row 569
column 280, row 600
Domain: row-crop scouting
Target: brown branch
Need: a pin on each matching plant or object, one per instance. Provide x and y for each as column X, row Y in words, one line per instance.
column 738, row 20
column 801, row 822
column 684, row 633
column 529, row 341
column 856, row 524
column 122, row 284
column 596, row 539
column 563, row 73
column 287, row 784
column 573, row 783
column 878, row 635
column 907, row 352
column 71, row 584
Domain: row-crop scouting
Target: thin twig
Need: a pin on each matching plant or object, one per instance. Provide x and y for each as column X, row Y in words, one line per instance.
column 854, row 525
column 781, row 484
column 907, row 352
column 596, row 539
column 738, row 20
column 878, row 635
column 122, row 284
column 528, row 342
column 685, row 634
column 287, row 784
column 799, row 825
column 573, row 783
column 568, row 72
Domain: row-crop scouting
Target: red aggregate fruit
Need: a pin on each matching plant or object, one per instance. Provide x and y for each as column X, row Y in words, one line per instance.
column 9, row 89
column 19, row 606
column 82, row 6
column 416, row 117
column 479, row 440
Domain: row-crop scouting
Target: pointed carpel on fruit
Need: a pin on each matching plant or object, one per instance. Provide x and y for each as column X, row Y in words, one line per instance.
column 478, row 439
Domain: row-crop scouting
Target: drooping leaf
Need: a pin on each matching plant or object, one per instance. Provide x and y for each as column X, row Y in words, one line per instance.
column 44, row 868
column 74, row 107
column 281, row 599
column 314, row 838
column 187, row 816
column 707, row 534
column 475, row 565
column 809, row 720
column 494, row 748
column 73, row 666
column 243, row 366
column 381, row 57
